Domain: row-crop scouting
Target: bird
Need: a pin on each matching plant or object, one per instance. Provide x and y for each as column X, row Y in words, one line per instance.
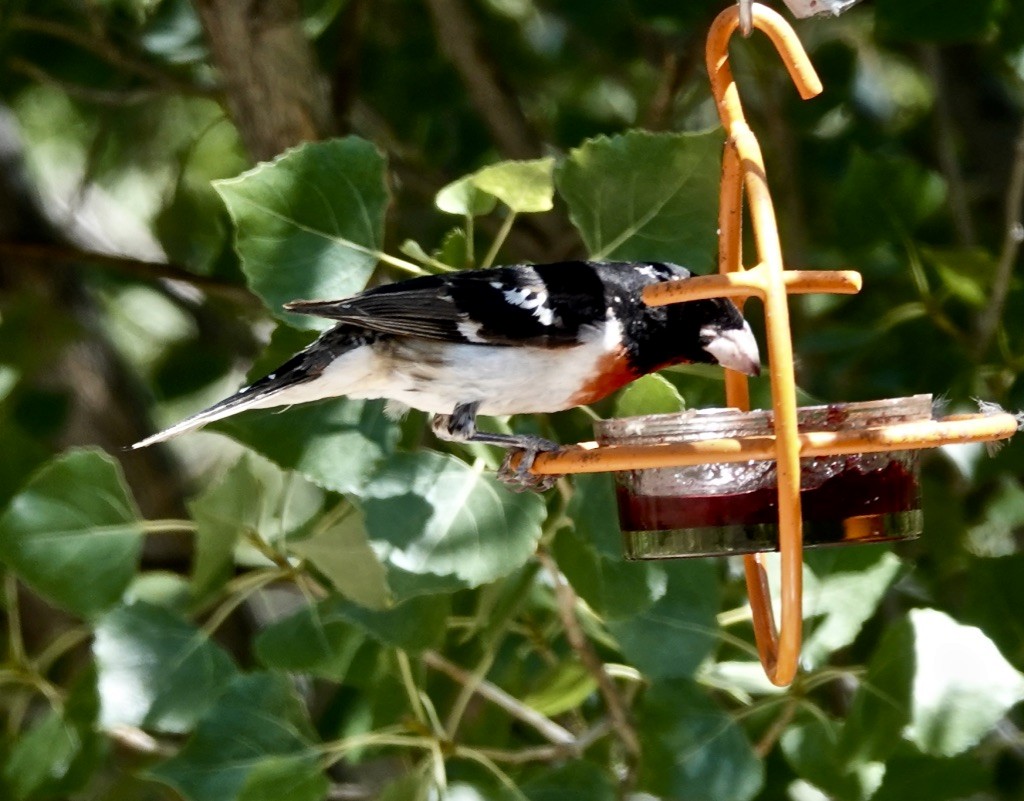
column 518, row 339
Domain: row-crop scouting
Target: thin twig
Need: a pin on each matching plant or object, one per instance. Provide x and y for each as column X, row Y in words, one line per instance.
column 1013, row 235
column 549, row 753
column 775, row 730
column 566, row 601
column 68, row 255
column 106, row 50
column 543, row 725
column 945, row 141
column 469, row 689
column 90, row 94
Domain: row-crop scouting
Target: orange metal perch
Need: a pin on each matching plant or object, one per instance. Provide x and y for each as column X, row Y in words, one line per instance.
column 743, row 173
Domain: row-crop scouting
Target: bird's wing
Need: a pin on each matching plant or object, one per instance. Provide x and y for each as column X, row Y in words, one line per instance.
column 541, row 305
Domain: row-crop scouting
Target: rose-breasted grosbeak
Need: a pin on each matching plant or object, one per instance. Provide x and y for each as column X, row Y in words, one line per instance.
column 508, row 340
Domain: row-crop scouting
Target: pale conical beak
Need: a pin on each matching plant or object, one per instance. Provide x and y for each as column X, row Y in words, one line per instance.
column 736, row 349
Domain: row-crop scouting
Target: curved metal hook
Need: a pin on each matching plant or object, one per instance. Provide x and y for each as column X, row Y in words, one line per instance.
column 792, row 53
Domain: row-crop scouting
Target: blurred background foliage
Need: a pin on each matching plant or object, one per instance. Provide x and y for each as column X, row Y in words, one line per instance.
column 324, row 603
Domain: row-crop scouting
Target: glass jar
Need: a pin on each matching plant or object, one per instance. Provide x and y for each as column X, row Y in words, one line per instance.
column 732, row 508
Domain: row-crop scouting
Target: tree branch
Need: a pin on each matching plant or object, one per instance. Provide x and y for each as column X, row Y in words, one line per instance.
column 274, row 90
column 65, row 255
column 566, row 601
column 1013, row 235
column 489, row 93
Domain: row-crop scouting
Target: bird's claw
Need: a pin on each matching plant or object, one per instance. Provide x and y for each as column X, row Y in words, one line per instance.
column 519, row 478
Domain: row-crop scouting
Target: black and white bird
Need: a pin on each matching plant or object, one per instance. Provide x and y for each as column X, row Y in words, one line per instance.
column 508, row 340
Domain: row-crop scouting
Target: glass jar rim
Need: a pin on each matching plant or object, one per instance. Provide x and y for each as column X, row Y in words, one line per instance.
column 696, row 424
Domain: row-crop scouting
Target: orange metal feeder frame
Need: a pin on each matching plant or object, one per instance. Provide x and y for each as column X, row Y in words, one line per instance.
column 743, row 169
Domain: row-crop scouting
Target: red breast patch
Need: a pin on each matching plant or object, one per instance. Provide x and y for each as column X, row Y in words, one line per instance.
column 613, row 371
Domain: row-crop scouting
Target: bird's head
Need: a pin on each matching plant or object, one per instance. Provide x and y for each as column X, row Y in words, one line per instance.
column 709, row 331
column 727, row 340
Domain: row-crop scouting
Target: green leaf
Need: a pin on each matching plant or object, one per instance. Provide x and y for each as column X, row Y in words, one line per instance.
column 963, row 686
column 997, row 533
column 564, row 688
column 646, row 196
column 254, row 496
column 995, row 596
column 842, row 589
column 342, row 552
column 573, row 781
column 881, row 706
column 465, row 197
column 916, row 776
column 336, row 444
column 651, row 394
column 882, row 198
column 937, row 20
column 941, row 684
column 257, row 722
column 295, row 778
column 316, row 639
column 454, row 250
column 58, row 755
column 310, row 224
column 73, row 532
column 160, row 588
column 413, row 625
column 966, row 273
column 156, row 670
column 692, row 749
column 590, row 553
column 675, row 634
column 439, row 525
column 523, row 186
column 41, row 755
column 413, row 249
column 811, row 746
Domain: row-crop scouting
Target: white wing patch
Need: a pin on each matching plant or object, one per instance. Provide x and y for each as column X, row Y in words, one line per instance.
column 534, row 299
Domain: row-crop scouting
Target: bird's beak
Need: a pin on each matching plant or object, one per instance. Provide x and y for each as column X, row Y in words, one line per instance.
column 736, row 349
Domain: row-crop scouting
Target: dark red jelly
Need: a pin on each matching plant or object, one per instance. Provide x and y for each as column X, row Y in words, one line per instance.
column 853, row 494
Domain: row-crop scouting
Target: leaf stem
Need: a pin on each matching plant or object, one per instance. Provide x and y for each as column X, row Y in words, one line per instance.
column 481, row 759
column 167, row 526
column 240, row 594
column 546, row 727
column 499, row 239
column 15, row 639
column 411, row 690
column 60, row 645
column 389, row 737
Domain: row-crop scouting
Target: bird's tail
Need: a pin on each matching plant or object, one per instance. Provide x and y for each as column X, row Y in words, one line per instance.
column 245, row 398
column 295, row 381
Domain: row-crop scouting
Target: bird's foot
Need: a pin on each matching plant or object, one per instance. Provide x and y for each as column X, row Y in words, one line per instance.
column 519, row 478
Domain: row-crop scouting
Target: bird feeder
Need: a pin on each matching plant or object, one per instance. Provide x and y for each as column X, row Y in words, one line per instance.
column 842, row 435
